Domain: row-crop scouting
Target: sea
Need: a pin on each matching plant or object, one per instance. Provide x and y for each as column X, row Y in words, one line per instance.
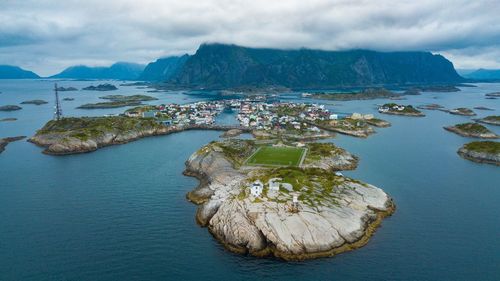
column 121, row 213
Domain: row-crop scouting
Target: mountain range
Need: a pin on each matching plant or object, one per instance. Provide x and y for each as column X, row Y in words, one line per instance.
column 483, row 74
column 216, row 66
column 119, row 70
column 221, row 66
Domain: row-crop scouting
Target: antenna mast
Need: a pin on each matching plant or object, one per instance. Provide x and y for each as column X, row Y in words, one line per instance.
column 58, row 109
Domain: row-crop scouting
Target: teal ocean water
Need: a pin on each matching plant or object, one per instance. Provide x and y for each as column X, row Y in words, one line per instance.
column 120, row 213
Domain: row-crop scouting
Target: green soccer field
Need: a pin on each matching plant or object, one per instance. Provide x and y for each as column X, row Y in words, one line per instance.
column 276, row 156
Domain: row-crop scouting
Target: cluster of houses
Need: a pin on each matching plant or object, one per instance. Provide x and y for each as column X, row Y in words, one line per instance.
column 269, row 116
column 199, row 113
column 395, row 107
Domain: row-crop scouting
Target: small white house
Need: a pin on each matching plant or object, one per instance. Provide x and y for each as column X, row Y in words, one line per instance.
column 274, row 184
column 256, row 188
column 334, row 116
column 356, row 116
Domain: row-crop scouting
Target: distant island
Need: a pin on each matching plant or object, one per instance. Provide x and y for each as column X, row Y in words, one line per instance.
column 15, row 72
column 8, row 119
column 396, row 109
column 10, row 107
column 462, row 111
column 492, row 120
column 118, row 101
column 472, row 130
column 481, row 152
column 254, row 197
column 35, row 102
column 101, row 87
column 366, row 94
column 493, row 95
column 67, row 89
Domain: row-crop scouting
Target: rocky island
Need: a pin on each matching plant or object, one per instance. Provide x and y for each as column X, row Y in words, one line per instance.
column 293, row 212
column 432, row 106
column 118, row 101
column 86, row 134
column 5, row 141
column 101, row 87
column 35, row 102
column 481, row 152
column 347, row 126
column 473, row 130
column 462, row 111
column 493, row 95
column 67, row 89
column 492, row 120
column 367, row 94
column 10, row 108
column 8, row 119
column 396, row 109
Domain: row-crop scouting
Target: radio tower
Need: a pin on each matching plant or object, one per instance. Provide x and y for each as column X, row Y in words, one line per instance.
column 58, row 109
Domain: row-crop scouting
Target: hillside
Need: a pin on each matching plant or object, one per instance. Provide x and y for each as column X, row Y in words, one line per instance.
column 484, row 74
column 163, row 69
column 15, row 72
column 231, row 66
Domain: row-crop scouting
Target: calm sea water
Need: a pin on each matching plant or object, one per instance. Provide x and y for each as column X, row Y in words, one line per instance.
column 120, row 213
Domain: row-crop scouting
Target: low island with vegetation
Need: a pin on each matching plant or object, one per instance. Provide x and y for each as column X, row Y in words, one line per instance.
column 491, row 120
column 462, row 111
column 86, row 134
column 481, row 152
column 255, row 208
column 473, row 130
column 101, row 87
column 116, row 101
column 366, row 94
column 35, row 102
column 10, row 108
column 404, row 110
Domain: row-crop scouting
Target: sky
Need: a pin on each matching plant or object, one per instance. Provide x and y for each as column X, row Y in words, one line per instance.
column 47, row 36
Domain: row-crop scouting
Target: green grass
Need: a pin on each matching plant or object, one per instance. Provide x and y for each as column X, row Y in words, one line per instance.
column 484, row 146
column 276, row 156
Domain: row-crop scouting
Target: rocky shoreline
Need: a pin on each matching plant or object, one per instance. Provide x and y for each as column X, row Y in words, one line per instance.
column 5, row 141
column 491, row 155
column 88, row 134
column 266, row 227
column 472, row 130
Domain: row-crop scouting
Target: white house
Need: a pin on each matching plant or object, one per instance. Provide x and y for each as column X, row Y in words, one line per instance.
column 356, row 116
column 256, row 188
column 334, row 116
column 274, row 184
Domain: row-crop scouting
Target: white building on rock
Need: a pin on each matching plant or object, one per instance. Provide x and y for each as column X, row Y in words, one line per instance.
column 256, row 188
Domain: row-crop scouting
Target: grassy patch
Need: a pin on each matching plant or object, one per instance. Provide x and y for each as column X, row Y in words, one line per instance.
column 276, row 156
column 473, row 128
column 484, row 146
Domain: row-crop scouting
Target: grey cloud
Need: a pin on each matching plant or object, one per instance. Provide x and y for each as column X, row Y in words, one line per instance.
column 56, row 34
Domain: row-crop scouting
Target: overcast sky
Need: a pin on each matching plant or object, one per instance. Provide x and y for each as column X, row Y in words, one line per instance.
column 47, row 36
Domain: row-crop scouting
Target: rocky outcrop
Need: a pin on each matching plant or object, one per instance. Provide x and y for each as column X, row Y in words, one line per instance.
column 491, row 120
column 472, row 130
column 5, row 141
column 265, row 227
column 10, row 108
column 488, row 156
